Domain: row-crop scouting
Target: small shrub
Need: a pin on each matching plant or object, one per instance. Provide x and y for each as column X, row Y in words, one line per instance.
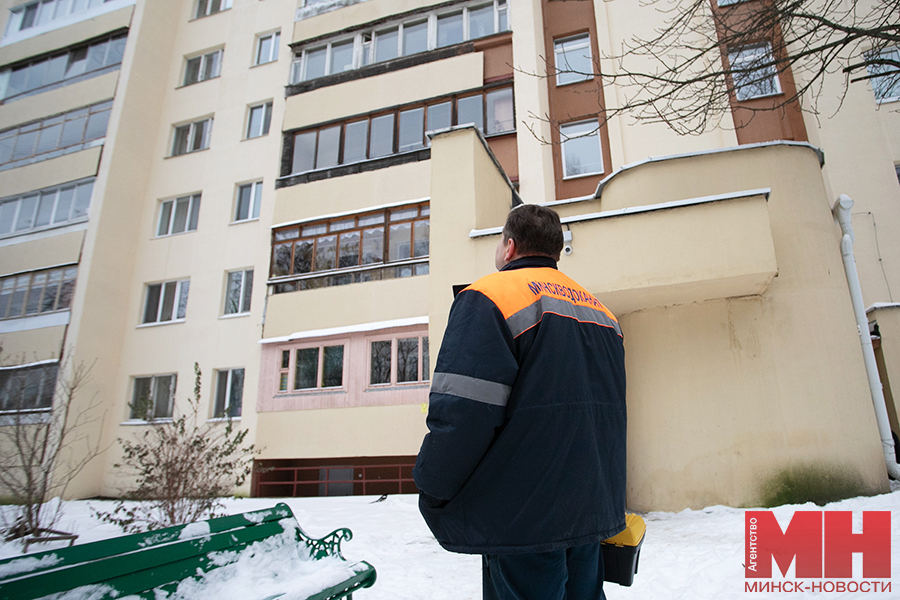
column 818, row 485
column 181, row 467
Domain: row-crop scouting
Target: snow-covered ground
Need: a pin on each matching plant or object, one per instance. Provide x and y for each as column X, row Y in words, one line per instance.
column 692, row 554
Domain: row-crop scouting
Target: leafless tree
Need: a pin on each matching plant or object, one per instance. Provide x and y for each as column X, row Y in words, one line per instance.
column 686, row 73
column 42, row 451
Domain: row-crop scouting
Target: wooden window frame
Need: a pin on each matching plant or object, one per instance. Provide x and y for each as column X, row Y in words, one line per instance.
column 27, row 283
column 423, row 213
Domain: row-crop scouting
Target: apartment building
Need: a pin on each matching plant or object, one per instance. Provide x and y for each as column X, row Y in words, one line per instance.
column 286, row 193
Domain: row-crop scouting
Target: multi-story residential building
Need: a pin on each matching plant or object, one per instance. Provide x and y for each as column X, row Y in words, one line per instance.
column 286, row 192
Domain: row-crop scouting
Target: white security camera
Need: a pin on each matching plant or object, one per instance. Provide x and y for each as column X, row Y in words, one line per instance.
column 567, row 242
column 567, row 250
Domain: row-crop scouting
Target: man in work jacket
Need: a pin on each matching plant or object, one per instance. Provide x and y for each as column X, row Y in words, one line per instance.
column 524, row 462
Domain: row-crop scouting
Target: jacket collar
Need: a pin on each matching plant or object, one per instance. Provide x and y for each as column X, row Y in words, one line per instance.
column 530, row 262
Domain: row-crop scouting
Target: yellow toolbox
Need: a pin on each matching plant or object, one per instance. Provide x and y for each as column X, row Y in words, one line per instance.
column 621, row 552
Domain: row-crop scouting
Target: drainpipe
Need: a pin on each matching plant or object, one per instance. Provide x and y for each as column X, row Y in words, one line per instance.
column 841, row 211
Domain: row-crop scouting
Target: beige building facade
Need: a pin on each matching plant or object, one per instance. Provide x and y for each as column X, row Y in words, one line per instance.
column 286, row 193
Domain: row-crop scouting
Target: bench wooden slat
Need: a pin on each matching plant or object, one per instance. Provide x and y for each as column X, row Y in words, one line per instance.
column 137, row 541
column 139, row 563
column 156, row 563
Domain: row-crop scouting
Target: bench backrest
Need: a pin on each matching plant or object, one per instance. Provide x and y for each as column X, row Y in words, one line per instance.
column 136, row 563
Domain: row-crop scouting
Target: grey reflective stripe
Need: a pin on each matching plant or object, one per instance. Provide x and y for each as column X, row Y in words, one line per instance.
column 532, row 314
column 480, row 390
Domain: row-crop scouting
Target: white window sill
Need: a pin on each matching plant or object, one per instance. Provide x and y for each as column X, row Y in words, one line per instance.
column 223, row 419
column 414, row 385
column 558, row 84
column 244, row 221
column 159, row 421
column 168, row 235
column 773, row 94
column 311, row 391
column 594, row 174
column 187, row 153
column 160, row 323
column 235, row 315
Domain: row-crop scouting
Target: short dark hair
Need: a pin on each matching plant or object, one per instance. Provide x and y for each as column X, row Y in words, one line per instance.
column 536, row 231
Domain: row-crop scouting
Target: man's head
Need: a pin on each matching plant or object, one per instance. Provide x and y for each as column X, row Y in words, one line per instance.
column 530, row 230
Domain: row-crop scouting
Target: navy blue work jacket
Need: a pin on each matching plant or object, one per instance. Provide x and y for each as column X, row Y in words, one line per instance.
column 526, row 418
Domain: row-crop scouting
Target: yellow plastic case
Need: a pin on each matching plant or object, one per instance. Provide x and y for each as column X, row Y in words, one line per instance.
column 622, row 551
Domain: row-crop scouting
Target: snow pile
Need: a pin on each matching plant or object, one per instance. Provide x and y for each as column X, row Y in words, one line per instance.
column 686, row 555
column 26, row 565
column 269, row 567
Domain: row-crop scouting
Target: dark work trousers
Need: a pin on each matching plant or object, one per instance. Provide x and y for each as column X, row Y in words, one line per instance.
column 571, row 574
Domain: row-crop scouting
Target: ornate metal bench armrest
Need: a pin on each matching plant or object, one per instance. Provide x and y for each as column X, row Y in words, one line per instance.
column 330, row 545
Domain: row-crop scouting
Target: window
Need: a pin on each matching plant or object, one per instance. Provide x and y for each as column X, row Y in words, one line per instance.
column 267, row 48
column 166, row 302
column 398, row 360
column 46, row 208
column 402, row 130
column 728, row 2
column 573, row 59
column 885, row 77
column 192, row 137
column 33, row 14
column 259, row 118
column 246, row 206
column 229, row 393
column 311, row 368
column 152, row 397
column 754, row 72
column 54, row 136
column 62, row 68
column 238, row 290
column 28, row 387
column 581, row 152
column 37, row 292
column 211, row 7
column 399, row 38
column 203, row 67
column 372, row 238
column 178, row 215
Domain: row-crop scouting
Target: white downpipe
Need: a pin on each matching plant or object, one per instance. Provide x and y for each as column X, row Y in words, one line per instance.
column 841, row 211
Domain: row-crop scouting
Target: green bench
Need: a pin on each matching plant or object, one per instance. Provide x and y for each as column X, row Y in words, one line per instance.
column 150, row 565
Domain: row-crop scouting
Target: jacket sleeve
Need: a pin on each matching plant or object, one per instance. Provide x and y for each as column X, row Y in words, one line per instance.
column 474, row 374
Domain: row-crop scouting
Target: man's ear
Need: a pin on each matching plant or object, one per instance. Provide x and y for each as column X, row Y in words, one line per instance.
column 510, row 250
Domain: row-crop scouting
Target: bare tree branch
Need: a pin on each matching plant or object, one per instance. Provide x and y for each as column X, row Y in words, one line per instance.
column 688, row 72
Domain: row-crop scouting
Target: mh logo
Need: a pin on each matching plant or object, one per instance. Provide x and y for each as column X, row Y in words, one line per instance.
column 822, row 542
